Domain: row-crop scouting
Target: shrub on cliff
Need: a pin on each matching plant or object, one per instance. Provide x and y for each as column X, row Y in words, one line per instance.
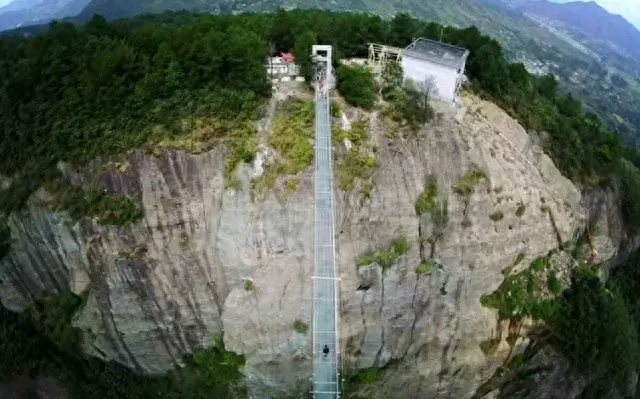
column 594, row 329
column 357, row 85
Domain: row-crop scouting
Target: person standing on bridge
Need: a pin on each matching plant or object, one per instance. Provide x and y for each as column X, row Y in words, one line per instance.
column 325, row 350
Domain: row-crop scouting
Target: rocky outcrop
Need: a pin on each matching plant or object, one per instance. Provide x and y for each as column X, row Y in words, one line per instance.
column 161, row 288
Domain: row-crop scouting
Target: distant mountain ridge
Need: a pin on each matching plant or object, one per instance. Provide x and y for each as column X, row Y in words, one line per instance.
column 587, row 20
column 33, row 12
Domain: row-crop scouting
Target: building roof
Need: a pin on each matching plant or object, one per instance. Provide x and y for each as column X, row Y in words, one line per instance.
column 439, row 52
column 288, row 57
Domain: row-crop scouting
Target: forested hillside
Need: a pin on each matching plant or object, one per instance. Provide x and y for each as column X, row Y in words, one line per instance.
column 74, row 94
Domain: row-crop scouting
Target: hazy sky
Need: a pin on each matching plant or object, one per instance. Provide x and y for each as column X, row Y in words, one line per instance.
column 626, row 8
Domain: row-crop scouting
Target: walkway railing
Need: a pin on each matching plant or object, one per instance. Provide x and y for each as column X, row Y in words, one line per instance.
column 326, row 376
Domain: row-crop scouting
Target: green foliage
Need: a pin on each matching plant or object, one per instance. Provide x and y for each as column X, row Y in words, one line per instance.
column 292, row 133
column 415, row 105
column 385, row 257
column 368, row 375
column 42, row 342
column 93, row 202
column 521, row 210
column 553, row 283
column 249, row 285
column 519, row 259
column 5, row 237
column 300, row 326
column 489, row 346
column 357, row 85
column 336, row 109
column 302, row 51
column 426, row 267
column 520, row 294
column 392, row 75
column 291, row 136
column 74, row 94
column 426, row 201
column 630, row 194
column 354, row 165
column 358, row 134
column 466, row 184
column 496, row 216
column 595, row 330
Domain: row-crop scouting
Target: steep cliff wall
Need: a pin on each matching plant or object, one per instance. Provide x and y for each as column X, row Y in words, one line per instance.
column 206, row 258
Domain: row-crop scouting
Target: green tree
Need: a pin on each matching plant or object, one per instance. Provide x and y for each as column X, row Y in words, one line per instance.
column 357, row 85
column 302, row 51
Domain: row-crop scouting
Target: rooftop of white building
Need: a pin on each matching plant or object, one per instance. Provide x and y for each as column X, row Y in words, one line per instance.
column 435, row 51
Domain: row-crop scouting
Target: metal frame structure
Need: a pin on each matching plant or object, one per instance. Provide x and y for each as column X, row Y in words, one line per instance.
column 326, row 330
column 380, row 54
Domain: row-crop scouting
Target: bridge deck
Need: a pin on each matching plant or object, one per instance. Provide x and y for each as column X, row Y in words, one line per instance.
column 325, row 284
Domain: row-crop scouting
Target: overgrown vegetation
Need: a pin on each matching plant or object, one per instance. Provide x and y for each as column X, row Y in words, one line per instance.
column 357, row 85
column 596, row 327
column 355, row 164
column 489, row 346
column 426, row 201
column 409, row 105
column 426, row 267
column 249, row 285
column 93, row 202
column 41, row 342
column 385, row 257
column 521, row 210
column 467, row 183
column 109, row 87
column 291, row 136
column 496, row 216
column 523, row 294
column 5, row 237
column 300, row 327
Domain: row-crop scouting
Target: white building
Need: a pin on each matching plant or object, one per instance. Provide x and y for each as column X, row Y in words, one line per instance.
column 280, row 66
column 444, row 63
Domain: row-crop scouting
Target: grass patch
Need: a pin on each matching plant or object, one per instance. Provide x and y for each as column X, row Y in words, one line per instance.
column 249, row 285
column 354, row 165
column 336, row 109
column 291, row 185
column 300, row 326
column 197, row 135
column 385, row 257
column 292, row 134
column 521, row 294
column 357, row 135
column 426, row 201
column 496, row 216
column 368, row 375
column 291, row 137
column 426, row 267
column 521, row 210
column 184, row 241
column 467, row 183
column 489, row 346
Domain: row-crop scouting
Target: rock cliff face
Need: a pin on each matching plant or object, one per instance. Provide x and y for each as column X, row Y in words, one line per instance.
column 161, row 288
